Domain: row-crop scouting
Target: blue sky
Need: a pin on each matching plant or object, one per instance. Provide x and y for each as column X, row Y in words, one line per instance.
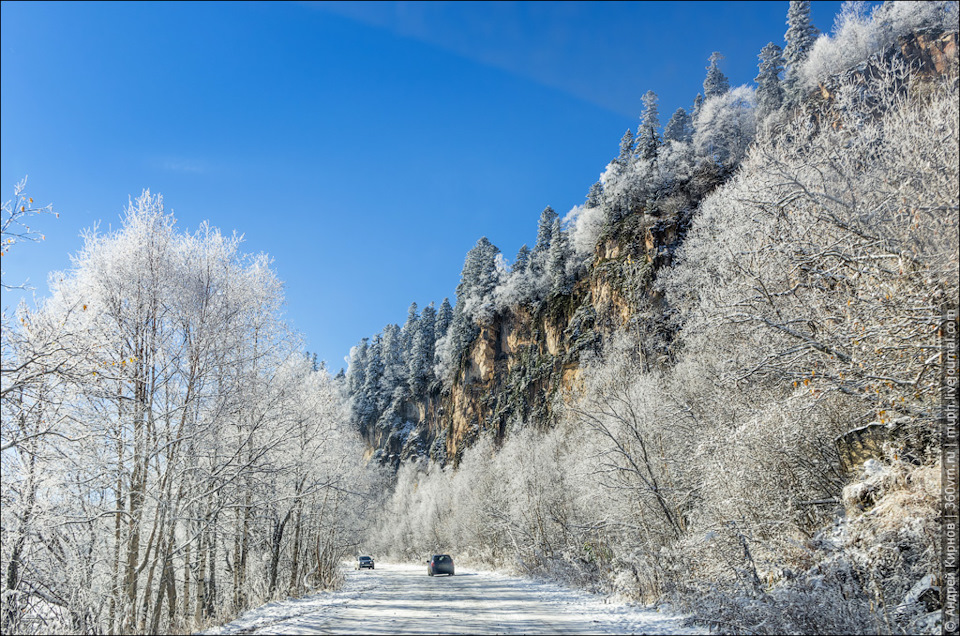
column 365, row 147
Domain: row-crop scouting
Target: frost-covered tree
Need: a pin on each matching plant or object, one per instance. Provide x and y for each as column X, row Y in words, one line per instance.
column 769, row 88
column 679, row 128
column 585, row 226
column 627, row 148
column 394, row 376
column 409, row 328
column 800, row 37
column 420, row 358
column 475, row 303
column 522, row 262
column 725, row 127
column 545, row 230
column 595, row 195
column 716, row 83
column 374, row 377
column 697, row 104
column 444, row 318
column 179, row 435
column 478, row 278
column 557, row 260
column 648, row 134
column 428, row 325
column 541, row 249
column 363, row 408
column 519, row 285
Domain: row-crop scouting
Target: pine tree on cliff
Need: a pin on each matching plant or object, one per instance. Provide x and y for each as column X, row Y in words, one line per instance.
column 800, row 36
column 356, row 380
column 479, row 276
column 538, row 260
column 648, row 135
column 409, row 328
column 444, row 318
column 678, row 128
column 520, row 273
column 373, row 364
column 478, row 279
column 420, row 358
column 697, row 105
column 769, row 85
column 522, row 263
column 462, row 332
column 428, row 324
column 627, row 147
column 716, row 83
column 595, row 195
column 394, row 369
column 559, row 254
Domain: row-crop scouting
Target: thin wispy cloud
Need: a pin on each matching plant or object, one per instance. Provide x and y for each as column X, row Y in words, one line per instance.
column 535, row 41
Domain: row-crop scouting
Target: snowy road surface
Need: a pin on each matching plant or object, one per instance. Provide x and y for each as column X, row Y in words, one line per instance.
column 402, row 599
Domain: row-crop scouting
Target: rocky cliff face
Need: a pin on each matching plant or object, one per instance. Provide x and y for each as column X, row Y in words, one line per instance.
column 519, row 362
column 522, row 358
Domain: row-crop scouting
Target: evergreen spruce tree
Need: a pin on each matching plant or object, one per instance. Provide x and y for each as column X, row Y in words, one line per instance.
column 769, row 88
column 520, row 273
column 478, row 279
column 462, row 331
column 648, row 135
column 479, row 276
column 420, row 359
column 559, row 254
column 357, row 372
column 375, row 403
column 678, row 129
column 716, row 83
column 409, row 328
column 627, row 146
column 522, row 262
column 428, row 326
column 394, row 369
column 538, row 260
column 444, row 318
column 595, row 195
column 800, row 36
column 697, row 104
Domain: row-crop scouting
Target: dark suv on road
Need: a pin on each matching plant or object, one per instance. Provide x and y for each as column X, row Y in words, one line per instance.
column 440, row 564
column 364, row 562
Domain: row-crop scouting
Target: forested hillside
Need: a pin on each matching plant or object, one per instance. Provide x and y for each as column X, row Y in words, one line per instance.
column 717, row 381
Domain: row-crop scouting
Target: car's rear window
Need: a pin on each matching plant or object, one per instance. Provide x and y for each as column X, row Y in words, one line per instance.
column 441, row 557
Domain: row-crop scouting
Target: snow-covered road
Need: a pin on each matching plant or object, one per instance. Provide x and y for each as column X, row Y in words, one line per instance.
column 402, row 599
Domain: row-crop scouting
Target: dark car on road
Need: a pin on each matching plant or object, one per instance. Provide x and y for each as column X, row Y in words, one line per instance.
column 440, row 564
column 364, row 562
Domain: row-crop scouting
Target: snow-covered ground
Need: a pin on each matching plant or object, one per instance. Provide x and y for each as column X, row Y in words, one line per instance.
column 402, row 599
